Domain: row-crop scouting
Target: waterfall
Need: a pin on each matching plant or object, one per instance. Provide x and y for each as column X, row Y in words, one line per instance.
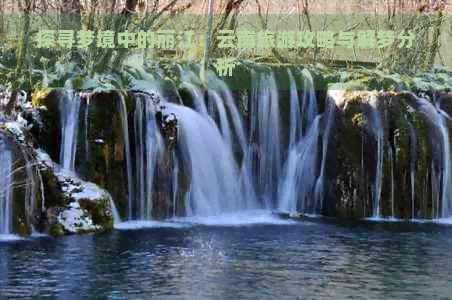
column 263, row 168
column 175, row 184
column 215, row 179
column 319, row 186
column 6, row 182
column 437, row 118
column 298, row 180
column 391, row 160
column 154, row 151
column 310, row 112
column 287, row 200
column 446, row 167
column 299, row 189
column 379, row 134
column 227, row 98
column 69, row 113
column 125, row 132
column 265, row 136
column 413, row 142
column 224, row 124
column 299, row 175
column 188, row 77
column 148, row 149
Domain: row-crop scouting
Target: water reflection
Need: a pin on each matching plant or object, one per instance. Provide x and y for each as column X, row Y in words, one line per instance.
column 253, row 262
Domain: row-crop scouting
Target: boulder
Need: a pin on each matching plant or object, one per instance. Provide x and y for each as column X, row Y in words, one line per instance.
column 76, row 206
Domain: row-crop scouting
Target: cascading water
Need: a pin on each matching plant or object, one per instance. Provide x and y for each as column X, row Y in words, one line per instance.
column 214, row 97
column 6, row 181
column 69, row 112
column 125, row 131
column 391, row 161
column 379, row 134
column 299, row 169
column 188, row 78
column 309, row 109
column 215, row 180
column 262, row 157
column 299, row 176
column 446, row 170
column 175, row 184
column 319, row 186
column 287, row 201
column 441, row 151
column 413, row 142
column 265, row 130
column 148, row 149
column 225, row 95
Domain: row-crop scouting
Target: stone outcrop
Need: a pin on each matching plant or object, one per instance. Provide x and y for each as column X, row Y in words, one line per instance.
column 51, row 199
column 73, row 205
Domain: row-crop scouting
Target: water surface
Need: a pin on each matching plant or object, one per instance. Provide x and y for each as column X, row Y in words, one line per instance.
column 281, row 260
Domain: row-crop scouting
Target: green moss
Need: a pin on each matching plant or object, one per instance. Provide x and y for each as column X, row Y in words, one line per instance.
column 356, row 85
column 99, row 211
column 77, row 190
column 359, row 120
column 423, row 156
column 51, row 182
column 23, row 228
column 40, row 98
column 78, row 83
column 56, row 230
column 355, row 214
column 403, row 140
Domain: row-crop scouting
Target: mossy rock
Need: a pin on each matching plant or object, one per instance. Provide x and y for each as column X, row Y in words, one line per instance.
column 100, row 210
column 56, row 230
column 49, row 136
column 40, row 98
column 359, row 120
column 23, row 230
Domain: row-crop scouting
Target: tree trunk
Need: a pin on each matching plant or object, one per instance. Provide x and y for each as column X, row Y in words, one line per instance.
column 2, row 5
column 130, row 7
column 21, row 54
column 436, row 36
column 205, row 61
column 71, row 9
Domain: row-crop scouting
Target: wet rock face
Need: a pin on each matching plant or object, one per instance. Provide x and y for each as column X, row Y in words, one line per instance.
column 44, row 118
column 408, row 152
column 167, row 124
column 351, row 159
column 46, row 197
column 101, row 153
column 100, row 144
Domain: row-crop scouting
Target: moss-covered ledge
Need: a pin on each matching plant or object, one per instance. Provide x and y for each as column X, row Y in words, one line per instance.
column 406, row 156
